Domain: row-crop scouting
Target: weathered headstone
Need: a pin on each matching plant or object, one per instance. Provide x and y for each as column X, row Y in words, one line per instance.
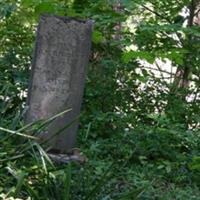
column 58, row 73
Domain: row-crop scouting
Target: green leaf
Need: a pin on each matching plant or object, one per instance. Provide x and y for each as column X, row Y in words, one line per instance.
column 195, row 166
column 134, row 194
column 97, row 37
column 20, row 182
column 105, row 177
column 27, row 3
column 128, row 56
column 168, row 168
column 44, row 7
column 143, row 79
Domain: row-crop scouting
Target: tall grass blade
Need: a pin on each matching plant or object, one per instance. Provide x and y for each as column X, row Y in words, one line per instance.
column 18, row 133
column 44, row 157
column 59, row 131
column 42, row 123
column 133, row 195
column 12, row 158
column 67, row 181
column 99, row 185
column 20, row 182
column 51, row 119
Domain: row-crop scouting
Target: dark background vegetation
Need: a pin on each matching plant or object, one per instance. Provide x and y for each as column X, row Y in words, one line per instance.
column 139, row 131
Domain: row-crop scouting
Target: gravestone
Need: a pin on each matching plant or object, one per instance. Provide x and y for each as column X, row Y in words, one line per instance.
column 58, row 73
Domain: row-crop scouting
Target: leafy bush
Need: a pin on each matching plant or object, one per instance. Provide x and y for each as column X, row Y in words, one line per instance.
column 139, row 131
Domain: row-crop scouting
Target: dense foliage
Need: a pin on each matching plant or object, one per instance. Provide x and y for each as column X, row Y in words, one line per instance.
column 140, row 115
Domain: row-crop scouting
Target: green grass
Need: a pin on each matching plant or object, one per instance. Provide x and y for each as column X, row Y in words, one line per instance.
column 148, row 163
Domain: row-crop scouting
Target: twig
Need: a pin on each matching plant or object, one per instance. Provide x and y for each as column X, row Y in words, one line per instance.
column 159, row 70
column 156, row 13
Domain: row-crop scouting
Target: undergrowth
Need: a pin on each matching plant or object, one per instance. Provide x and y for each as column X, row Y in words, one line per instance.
column 148, row 162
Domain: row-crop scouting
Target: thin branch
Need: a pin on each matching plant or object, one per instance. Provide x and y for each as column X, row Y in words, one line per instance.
column 163, row 71
column 192, row 13
column 162, row 17
column 197, row 12
column 171, row 74
column 160, row 70
column 156, row 13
